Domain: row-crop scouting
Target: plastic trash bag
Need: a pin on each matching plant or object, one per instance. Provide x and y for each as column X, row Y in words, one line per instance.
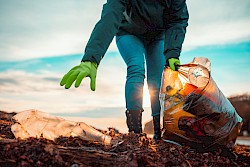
column 33, row 123
column 195, row 111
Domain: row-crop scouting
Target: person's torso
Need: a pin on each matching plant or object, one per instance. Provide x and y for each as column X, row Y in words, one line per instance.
column 143, row 16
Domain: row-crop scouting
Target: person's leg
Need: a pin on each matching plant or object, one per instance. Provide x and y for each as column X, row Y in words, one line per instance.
column 132, row 51
column 155, row 61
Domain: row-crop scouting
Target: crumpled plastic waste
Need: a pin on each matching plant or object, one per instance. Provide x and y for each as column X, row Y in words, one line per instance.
column 34, row 123
column 194, row 109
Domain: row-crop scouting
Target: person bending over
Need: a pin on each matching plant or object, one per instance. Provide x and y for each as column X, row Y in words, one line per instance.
column 149, row 35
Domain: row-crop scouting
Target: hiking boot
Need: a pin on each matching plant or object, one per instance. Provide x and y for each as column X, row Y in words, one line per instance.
column 134, row 118
column 157, row 127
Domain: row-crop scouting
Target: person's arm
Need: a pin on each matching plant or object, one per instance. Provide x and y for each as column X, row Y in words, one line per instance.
column 104, row 30
column 176, row 21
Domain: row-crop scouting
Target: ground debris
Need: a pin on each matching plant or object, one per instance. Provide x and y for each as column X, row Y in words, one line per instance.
column 128, row 150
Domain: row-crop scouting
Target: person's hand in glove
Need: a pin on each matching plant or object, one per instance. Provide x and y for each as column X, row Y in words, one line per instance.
column 77, row 73
column 173, row 62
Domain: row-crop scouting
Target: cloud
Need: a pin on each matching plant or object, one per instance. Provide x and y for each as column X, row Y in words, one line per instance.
column 44, row 28
column 52, row 28
column 20, row 82
column 22, row 90
column 217, row 22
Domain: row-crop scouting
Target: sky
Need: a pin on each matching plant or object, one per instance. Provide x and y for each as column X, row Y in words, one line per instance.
column 41, row 40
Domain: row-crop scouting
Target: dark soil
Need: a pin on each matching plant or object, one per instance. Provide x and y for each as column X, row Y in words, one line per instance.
column 133, row 150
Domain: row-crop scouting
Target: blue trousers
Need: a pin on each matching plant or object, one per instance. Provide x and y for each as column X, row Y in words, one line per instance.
column 135, row 52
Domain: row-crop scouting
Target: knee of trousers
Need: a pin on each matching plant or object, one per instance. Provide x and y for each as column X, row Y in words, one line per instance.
column 135, row 73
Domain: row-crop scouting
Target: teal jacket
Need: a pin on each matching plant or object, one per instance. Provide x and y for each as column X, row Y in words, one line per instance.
column 149, row 19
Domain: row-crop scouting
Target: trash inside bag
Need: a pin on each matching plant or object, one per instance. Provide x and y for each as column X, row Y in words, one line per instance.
column 33, row 123
column 194, row 109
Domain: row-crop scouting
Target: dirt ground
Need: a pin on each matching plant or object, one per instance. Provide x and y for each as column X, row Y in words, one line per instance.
column 129, row 150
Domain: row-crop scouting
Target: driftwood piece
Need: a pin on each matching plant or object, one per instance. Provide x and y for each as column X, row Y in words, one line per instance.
column 55, row 148
column 84, row 155
column 4, row 140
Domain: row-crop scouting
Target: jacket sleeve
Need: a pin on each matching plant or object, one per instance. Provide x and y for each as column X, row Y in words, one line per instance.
column 105, row 30
column 176, row 21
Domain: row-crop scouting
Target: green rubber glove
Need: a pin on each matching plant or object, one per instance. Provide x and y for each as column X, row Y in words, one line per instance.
column 173, row 62
column 77, row 73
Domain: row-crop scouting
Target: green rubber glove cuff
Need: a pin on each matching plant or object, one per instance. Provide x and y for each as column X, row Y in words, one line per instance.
column 77, row 73
column 173, row 62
